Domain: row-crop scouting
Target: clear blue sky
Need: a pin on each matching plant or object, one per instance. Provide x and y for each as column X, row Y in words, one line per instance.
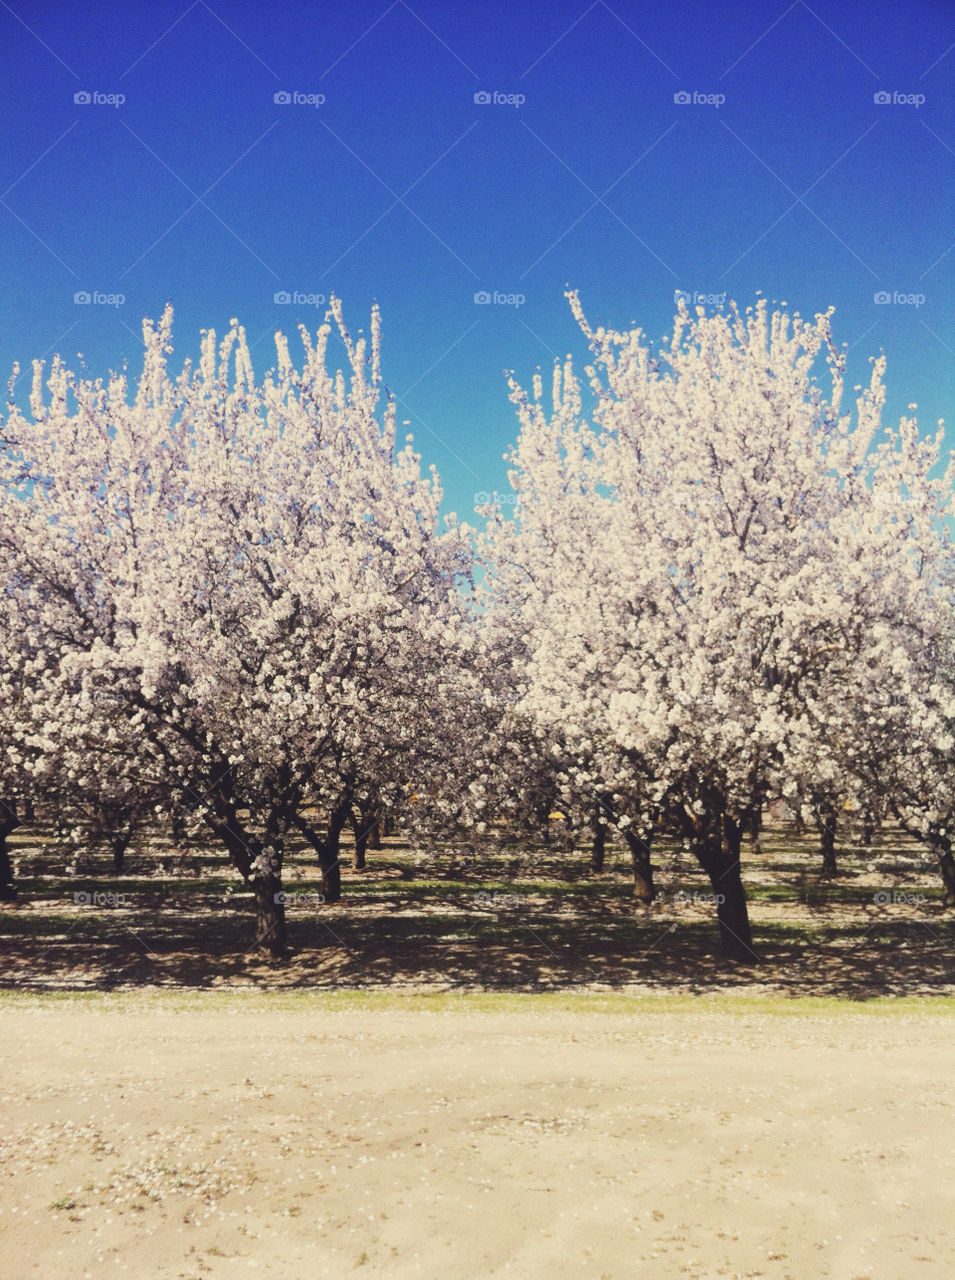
column 201, row 189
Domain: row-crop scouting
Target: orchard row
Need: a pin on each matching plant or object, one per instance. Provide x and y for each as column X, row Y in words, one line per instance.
column 233, row 605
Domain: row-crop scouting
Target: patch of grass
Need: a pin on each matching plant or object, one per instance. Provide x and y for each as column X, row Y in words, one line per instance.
column 322, row 1003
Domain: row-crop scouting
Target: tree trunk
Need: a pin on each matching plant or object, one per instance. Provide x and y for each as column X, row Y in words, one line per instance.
column 827, row 823
column 328, row 848
column 366, row 823
column 946, row 865
column 244, row 850
column 270, row 934
column 119, row 844
column 643, row 887
column 361, row 840
column 328, row 855
column 8, row 823
column 866, row 829
column 754, row 827
column 598, row 848
column 177, row 829
column 719, row 856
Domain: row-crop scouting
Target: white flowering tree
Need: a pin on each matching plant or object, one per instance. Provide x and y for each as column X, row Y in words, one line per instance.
column 521, row 770
column 17, row 786
column 240, row 593
column 674, row 563
column 892, row 663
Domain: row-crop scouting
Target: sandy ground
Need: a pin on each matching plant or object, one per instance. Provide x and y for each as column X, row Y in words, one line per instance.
column 143, row 1142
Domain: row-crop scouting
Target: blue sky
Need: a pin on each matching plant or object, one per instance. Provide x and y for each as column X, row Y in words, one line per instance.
column 781, row 173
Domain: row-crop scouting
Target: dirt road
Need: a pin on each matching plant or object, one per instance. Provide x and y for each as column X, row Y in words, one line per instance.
column 226, row 1142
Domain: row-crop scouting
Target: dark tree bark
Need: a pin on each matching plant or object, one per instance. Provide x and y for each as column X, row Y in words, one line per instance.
column 329, row 854
column 244, row 849
column 754, row 828
column 941, row 846
column 365, row 822
column 946, row 865
column 177, row 829
column 716, row 845
column 361, row 840
column 328, row 848
column 643, row 887
column 827, row 828
column 867, row 827
column 270, row 932
column 598, row 848
column 9, row 821
column 119, row 844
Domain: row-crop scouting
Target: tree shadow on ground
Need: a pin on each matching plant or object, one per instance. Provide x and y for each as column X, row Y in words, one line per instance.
column 541, row 946
column 489, row 918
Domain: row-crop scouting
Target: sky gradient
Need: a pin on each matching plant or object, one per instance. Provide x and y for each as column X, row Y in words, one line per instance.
column 422, row 154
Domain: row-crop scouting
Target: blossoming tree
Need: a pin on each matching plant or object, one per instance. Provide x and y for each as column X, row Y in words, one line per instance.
column 240, row 592
column 673, row 564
